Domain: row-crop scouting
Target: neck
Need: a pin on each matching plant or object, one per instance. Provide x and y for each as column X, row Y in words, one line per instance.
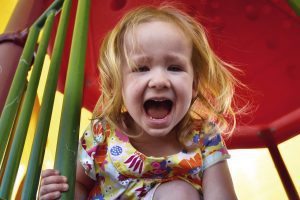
column 157, row 146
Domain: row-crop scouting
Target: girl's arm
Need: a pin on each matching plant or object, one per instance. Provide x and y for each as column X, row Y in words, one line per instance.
column 217, row 183
column 84, row 183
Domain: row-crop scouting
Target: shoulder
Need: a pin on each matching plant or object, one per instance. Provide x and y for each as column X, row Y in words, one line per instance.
column 96, row 132
column 93, row 146
column 207, row 136
column 203, row 133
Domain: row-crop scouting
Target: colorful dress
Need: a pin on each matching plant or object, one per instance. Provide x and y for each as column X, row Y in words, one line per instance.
column 122, row 172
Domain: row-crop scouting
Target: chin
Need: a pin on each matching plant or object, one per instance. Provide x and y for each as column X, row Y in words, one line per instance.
column 158, row 133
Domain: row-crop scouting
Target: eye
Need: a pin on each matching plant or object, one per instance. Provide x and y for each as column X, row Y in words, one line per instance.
column 175, row 68
column 142, row 68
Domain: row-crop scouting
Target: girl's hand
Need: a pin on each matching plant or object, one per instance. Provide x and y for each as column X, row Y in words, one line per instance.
column 52, row 185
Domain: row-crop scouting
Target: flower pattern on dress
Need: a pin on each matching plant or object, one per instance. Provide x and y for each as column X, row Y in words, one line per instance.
column 191, row 163
column 116, row 150
column 135, row 162
column 121, row 136
column 122, row 172
column 142, row 191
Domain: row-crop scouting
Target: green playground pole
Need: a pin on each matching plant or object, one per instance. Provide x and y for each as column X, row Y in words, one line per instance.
column 39, row 144
column 67, row 144
column 16, row 150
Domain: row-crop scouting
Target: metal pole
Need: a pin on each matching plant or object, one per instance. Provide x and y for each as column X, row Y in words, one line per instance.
column 267, row 138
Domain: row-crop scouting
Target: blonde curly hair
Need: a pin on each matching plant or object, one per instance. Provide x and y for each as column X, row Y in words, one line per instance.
column 215, row 83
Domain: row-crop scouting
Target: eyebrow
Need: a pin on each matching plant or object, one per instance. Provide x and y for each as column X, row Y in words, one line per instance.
column 176, row 57
column 168, row 58
column 141, row 58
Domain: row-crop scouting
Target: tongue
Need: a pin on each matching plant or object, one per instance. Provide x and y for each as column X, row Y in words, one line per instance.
column 157, row 110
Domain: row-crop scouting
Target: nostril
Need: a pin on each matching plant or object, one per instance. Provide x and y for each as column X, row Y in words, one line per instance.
column 159, row 83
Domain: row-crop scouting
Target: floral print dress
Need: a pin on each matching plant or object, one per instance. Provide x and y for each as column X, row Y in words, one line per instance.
column 122, row 172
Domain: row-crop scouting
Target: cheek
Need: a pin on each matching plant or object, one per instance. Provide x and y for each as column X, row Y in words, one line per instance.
column 130, row 92
column 135, row 85
column 126, row 95
column 188, row 93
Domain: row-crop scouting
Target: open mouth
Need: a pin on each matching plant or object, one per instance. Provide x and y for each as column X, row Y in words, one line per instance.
column 158, row 109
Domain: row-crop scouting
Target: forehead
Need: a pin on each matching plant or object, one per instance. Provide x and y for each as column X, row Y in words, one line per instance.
column 148, row 34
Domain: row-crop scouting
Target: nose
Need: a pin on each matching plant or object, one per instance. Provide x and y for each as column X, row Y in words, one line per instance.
column 159, row 79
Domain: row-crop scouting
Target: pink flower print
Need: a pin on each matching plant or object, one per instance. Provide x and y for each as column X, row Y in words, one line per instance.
column 155, row 165
column 122, row 137
column 91, row 152
column 224, row 151
column 121, row 177
column 159, row 170
column 87, row 166
column 135, row 162
column 141, row 191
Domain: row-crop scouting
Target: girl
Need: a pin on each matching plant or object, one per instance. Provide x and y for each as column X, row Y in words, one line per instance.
column 165, row 99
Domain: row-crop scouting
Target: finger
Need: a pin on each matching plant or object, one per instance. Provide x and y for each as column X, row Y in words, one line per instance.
column 53, row 188
column 50, row 196
column 54, row 180
column 49, row 172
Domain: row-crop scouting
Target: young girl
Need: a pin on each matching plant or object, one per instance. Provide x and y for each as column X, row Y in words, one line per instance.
column 166, row 97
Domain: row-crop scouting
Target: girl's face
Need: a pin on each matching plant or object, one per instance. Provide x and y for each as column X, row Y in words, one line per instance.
column 158, row 93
